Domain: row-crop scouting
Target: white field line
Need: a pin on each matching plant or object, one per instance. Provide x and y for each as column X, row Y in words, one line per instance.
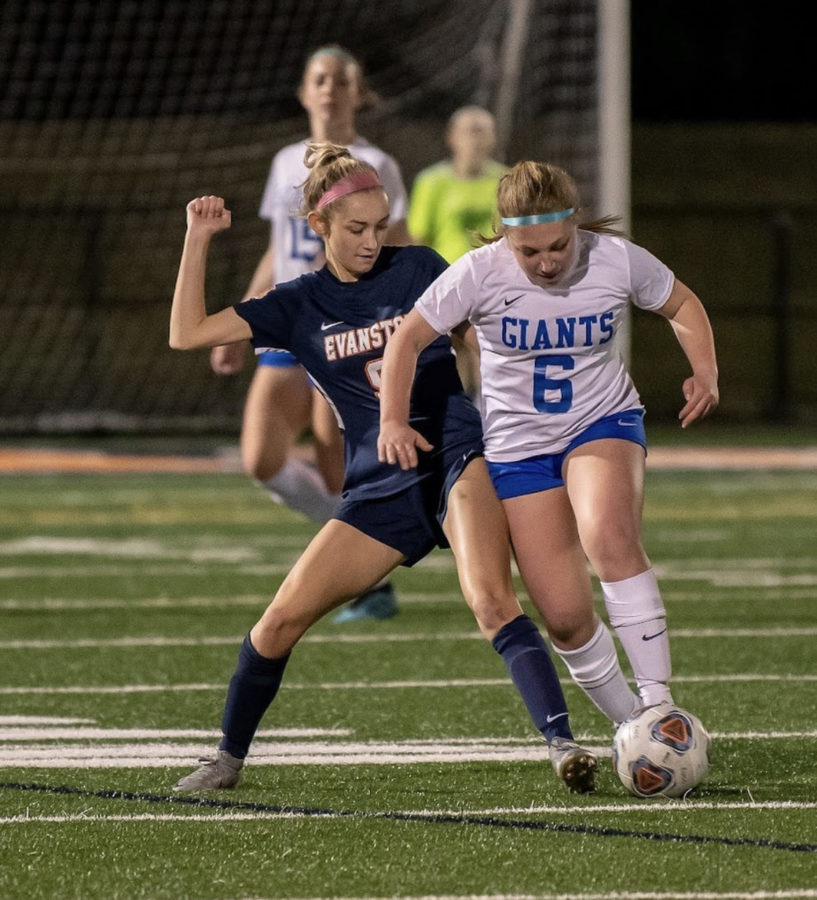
column 657, row 806
column 257, row 600
column 782, row 592
column 10, row 731
column 233, row 640
column 379, row 638
column 28, row 721
column 77, row 753
column 116, row 571
column 92, row 690
column 729, row 572
column 165, row 755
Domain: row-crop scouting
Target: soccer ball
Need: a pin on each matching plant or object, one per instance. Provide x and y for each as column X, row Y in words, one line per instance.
column 661, row 751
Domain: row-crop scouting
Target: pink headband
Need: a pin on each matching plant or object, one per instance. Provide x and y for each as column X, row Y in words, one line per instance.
column 361, row 181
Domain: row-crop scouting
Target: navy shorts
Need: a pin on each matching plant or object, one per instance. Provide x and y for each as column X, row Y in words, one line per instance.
column 411, row 520
column 541, row 473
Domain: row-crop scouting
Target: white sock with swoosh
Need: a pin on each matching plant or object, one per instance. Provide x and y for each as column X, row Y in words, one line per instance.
column 637, row 614
column 596, row 670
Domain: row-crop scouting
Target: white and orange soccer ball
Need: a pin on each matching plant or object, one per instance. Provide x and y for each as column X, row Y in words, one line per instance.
column 661, row 751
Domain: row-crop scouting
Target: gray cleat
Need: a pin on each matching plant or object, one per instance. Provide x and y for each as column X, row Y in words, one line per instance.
column 574, row 765
column 221, row 772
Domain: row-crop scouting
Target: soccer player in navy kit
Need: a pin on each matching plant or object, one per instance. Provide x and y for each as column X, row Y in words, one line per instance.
column 336, row 321
column 281, row 403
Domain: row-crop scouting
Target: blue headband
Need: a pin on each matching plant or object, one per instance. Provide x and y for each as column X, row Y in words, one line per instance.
column 540, row 219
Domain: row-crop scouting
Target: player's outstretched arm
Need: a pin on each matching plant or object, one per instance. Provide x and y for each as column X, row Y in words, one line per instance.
column 190, row 326
column 398, row 442
column 691, row 325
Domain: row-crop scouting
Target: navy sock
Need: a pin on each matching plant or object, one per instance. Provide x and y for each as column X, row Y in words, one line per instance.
column 526, row 657
column 252, row 688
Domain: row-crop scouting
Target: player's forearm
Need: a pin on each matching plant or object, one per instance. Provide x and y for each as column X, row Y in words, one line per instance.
column 188, row 310
column 694, row 333
column 410, row 338
column 396, row 380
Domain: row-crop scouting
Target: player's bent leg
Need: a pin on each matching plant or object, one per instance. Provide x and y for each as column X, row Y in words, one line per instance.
column 276, row 411
column 380, row 600
column 478, row 533
column 554, row 571
column 552, row 564
column 606, row 483
column 336, row 565
column 339, row 563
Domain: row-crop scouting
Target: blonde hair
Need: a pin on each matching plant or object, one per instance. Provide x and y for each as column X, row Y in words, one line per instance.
column 328, row 164
column 532, row 188
column 367, row 95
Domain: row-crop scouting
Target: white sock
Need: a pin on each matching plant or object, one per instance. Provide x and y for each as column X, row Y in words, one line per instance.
column 596, row 670
column 637, row 613
column 300, row 487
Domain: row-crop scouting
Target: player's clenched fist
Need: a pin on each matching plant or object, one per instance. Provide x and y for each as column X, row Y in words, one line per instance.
column 208, row 214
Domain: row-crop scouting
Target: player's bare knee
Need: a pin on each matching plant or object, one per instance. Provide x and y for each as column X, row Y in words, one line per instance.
column 570, row 632
column 279, row 629
column 262, row 467
column 492, row 609
column 614, row 550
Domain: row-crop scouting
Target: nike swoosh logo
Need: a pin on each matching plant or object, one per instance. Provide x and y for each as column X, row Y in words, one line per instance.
column 554, row 718
column 513, row 299
column 326, row 325
column 627, row 424
column 649, row 637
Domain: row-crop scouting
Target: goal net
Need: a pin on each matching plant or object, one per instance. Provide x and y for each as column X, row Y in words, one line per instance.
column 115, row 114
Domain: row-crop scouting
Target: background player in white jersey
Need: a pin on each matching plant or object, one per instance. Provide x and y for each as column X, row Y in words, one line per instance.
column 564, row 434
column 336, row 321
column 281, row 404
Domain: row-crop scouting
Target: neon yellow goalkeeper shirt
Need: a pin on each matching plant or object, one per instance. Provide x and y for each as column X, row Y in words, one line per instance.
column 445, row 211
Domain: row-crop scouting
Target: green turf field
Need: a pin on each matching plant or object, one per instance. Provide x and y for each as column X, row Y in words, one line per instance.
column 397, row 759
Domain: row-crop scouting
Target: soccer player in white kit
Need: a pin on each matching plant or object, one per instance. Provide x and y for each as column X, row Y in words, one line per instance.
column 281, row 404
column 563, row 421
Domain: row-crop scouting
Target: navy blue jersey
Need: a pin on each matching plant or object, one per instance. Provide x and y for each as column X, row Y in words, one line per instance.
column 338, row 331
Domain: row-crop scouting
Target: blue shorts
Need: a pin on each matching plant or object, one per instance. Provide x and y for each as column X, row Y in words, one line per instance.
column 280, row 359
column 541, row 473
column 411, row 520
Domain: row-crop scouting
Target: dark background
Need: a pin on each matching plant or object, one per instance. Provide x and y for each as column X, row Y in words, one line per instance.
column 113, row 114
column 720, row 60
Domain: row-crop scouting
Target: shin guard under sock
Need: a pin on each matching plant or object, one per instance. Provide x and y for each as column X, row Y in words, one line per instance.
column 252, row 688
column 526, row 657
column 637, row 614
column 596, row 670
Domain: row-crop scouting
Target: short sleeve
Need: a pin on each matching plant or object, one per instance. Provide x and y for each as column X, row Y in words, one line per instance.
column 651, row 281
column 392, row 179
column 447, row 302
column 268, row 318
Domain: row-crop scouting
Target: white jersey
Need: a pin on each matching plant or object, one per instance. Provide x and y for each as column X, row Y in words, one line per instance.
column 549, row 363
column 296, row 247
